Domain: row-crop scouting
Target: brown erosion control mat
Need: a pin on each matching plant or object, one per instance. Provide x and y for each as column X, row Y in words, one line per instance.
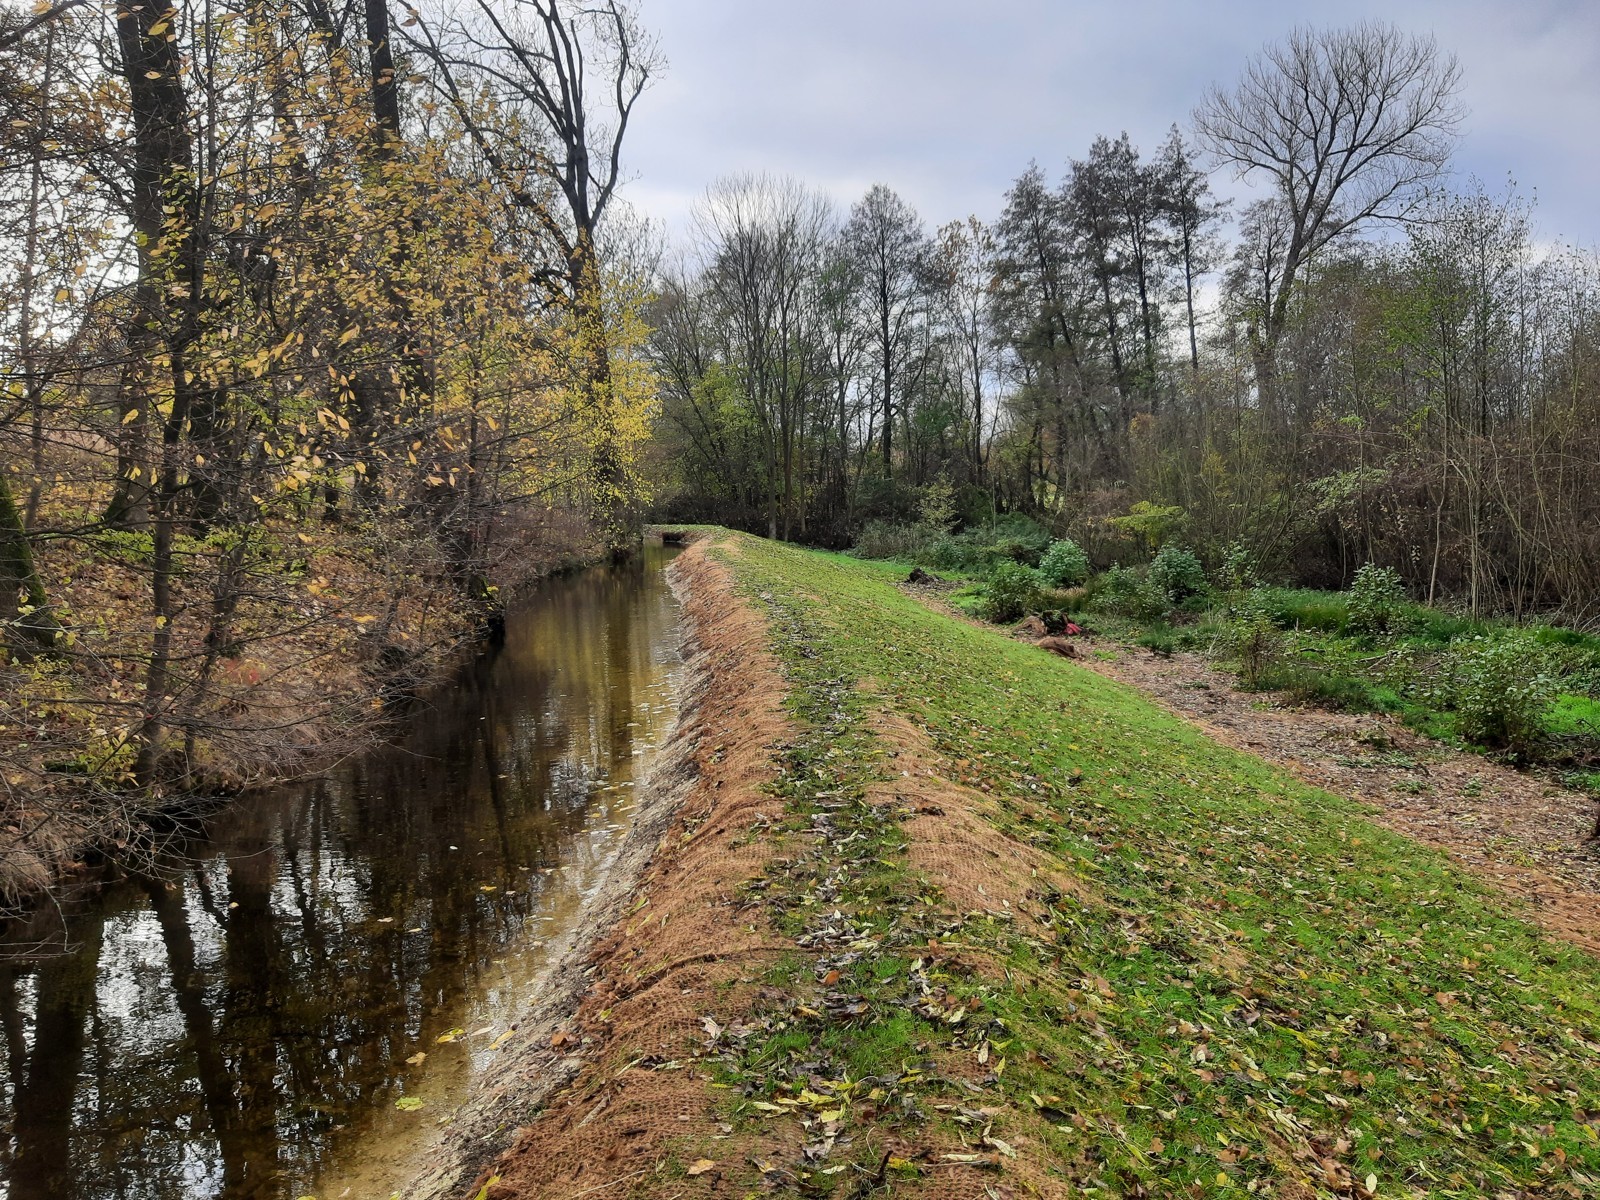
column 685, row 949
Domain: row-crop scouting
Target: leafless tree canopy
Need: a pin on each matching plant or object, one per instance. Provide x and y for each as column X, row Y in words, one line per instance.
column 1350, row 124
column 566, row 76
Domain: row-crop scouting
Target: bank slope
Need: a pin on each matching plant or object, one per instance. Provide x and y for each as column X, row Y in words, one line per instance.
column 1049, row 939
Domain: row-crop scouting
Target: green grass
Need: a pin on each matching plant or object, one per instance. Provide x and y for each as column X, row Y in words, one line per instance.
column 1324, row 664
column 1574, row 715
column 1251, row 984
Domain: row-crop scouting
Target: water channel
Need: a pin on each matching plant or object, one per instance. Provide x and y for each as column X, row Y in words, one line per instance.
column 305, row 988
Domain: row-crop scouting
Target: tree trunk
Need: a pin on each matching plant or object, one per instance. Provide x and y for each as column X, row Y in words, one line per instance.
column 24, row 609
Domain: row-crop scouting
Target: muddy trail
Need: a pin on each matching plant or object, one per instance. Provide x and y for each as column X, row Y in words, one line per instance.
column 939, row 914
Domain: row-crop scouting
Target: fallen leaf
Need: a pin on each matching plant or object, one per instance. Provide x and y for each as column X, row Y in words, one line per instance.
column 700, row 1166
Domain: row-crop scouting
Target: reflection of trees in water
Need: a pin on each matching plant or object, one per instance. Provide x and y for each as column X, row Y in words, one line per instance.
column 43, row 1091
column 283, row 1006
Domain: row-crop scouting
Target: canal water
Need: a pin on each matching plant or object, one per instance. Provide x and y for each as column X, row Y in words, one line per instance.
column 303, row 991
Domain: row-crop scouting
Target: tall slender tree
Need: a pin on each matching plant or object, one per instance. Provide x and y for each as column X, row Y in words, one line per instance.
column 885, row 238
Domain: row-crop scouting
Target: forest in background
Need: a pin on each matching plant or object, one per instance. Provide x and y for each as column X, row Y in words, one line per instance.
column 1372, row 362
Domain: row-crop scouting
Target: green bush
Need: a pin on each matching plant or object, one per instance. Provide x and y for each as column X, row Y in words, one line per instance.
column 1378, row 604
column 885, row 539
column 1153, row 524
column 1129, row 592
column 1255, row 640
column 1178, row 573
column 1237, row 573
column 1019, row 538
column 1064, row 564
column 1500, row 689
column 1012, row 538
column 1011, row 592
column 937, row 508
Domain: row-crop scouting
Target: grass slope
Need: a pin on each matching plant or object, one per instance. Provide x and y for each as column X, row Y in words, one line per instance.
column 1254, row 989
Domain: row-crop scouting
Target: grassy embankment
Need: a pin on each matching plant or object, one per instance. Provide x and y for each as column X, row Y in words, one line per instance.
column 1530, row 690
column 1215, row 979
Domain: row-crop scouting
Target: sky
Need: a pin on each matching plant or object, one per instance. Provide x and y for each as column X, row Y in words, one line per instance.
column 947, row 101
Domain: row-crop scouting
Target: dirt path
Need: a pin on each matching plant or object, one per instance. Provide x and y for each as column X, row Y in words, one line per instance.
column 1523, row 833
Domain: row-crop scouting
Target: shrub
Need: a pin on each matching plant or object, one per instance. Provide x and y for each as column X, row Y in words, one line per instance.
column 1378, row 604
column 1011, row 592
column 884, row 539
column 1064, row 564
column 1130, row 593
column 1500, row 689
column 1018, row 538
column 1237, row 572
column 1255, row 640
column 1012, row 538
column 937, row 508
column 1153, row 524
column 1178, row 573
column 952, row 554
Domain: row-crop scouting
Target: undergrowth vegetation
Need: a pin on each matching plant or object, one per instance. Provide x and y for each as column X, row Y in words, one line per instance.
column 1217, row 980
column 1531, row 692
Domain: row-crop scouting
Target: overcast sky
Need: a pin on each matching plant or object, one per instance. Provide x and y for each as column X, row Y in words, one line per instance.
column 947, row 100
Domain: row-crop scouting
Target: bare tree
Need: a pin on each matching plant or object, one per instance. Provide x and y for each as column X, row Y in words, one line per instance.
column 884, row 236
column 1192, row 215
column 565, row 78
column 1350, row 125
column 766, row 243
column 964, row 278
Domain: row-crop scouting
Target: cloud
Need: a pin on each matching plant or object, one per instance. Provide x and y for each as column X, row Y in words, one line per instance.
column 948, row 102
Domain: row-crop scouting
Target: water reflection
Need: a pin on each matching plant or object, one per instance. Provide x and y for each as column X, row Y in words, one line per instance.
column 236, row 1027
